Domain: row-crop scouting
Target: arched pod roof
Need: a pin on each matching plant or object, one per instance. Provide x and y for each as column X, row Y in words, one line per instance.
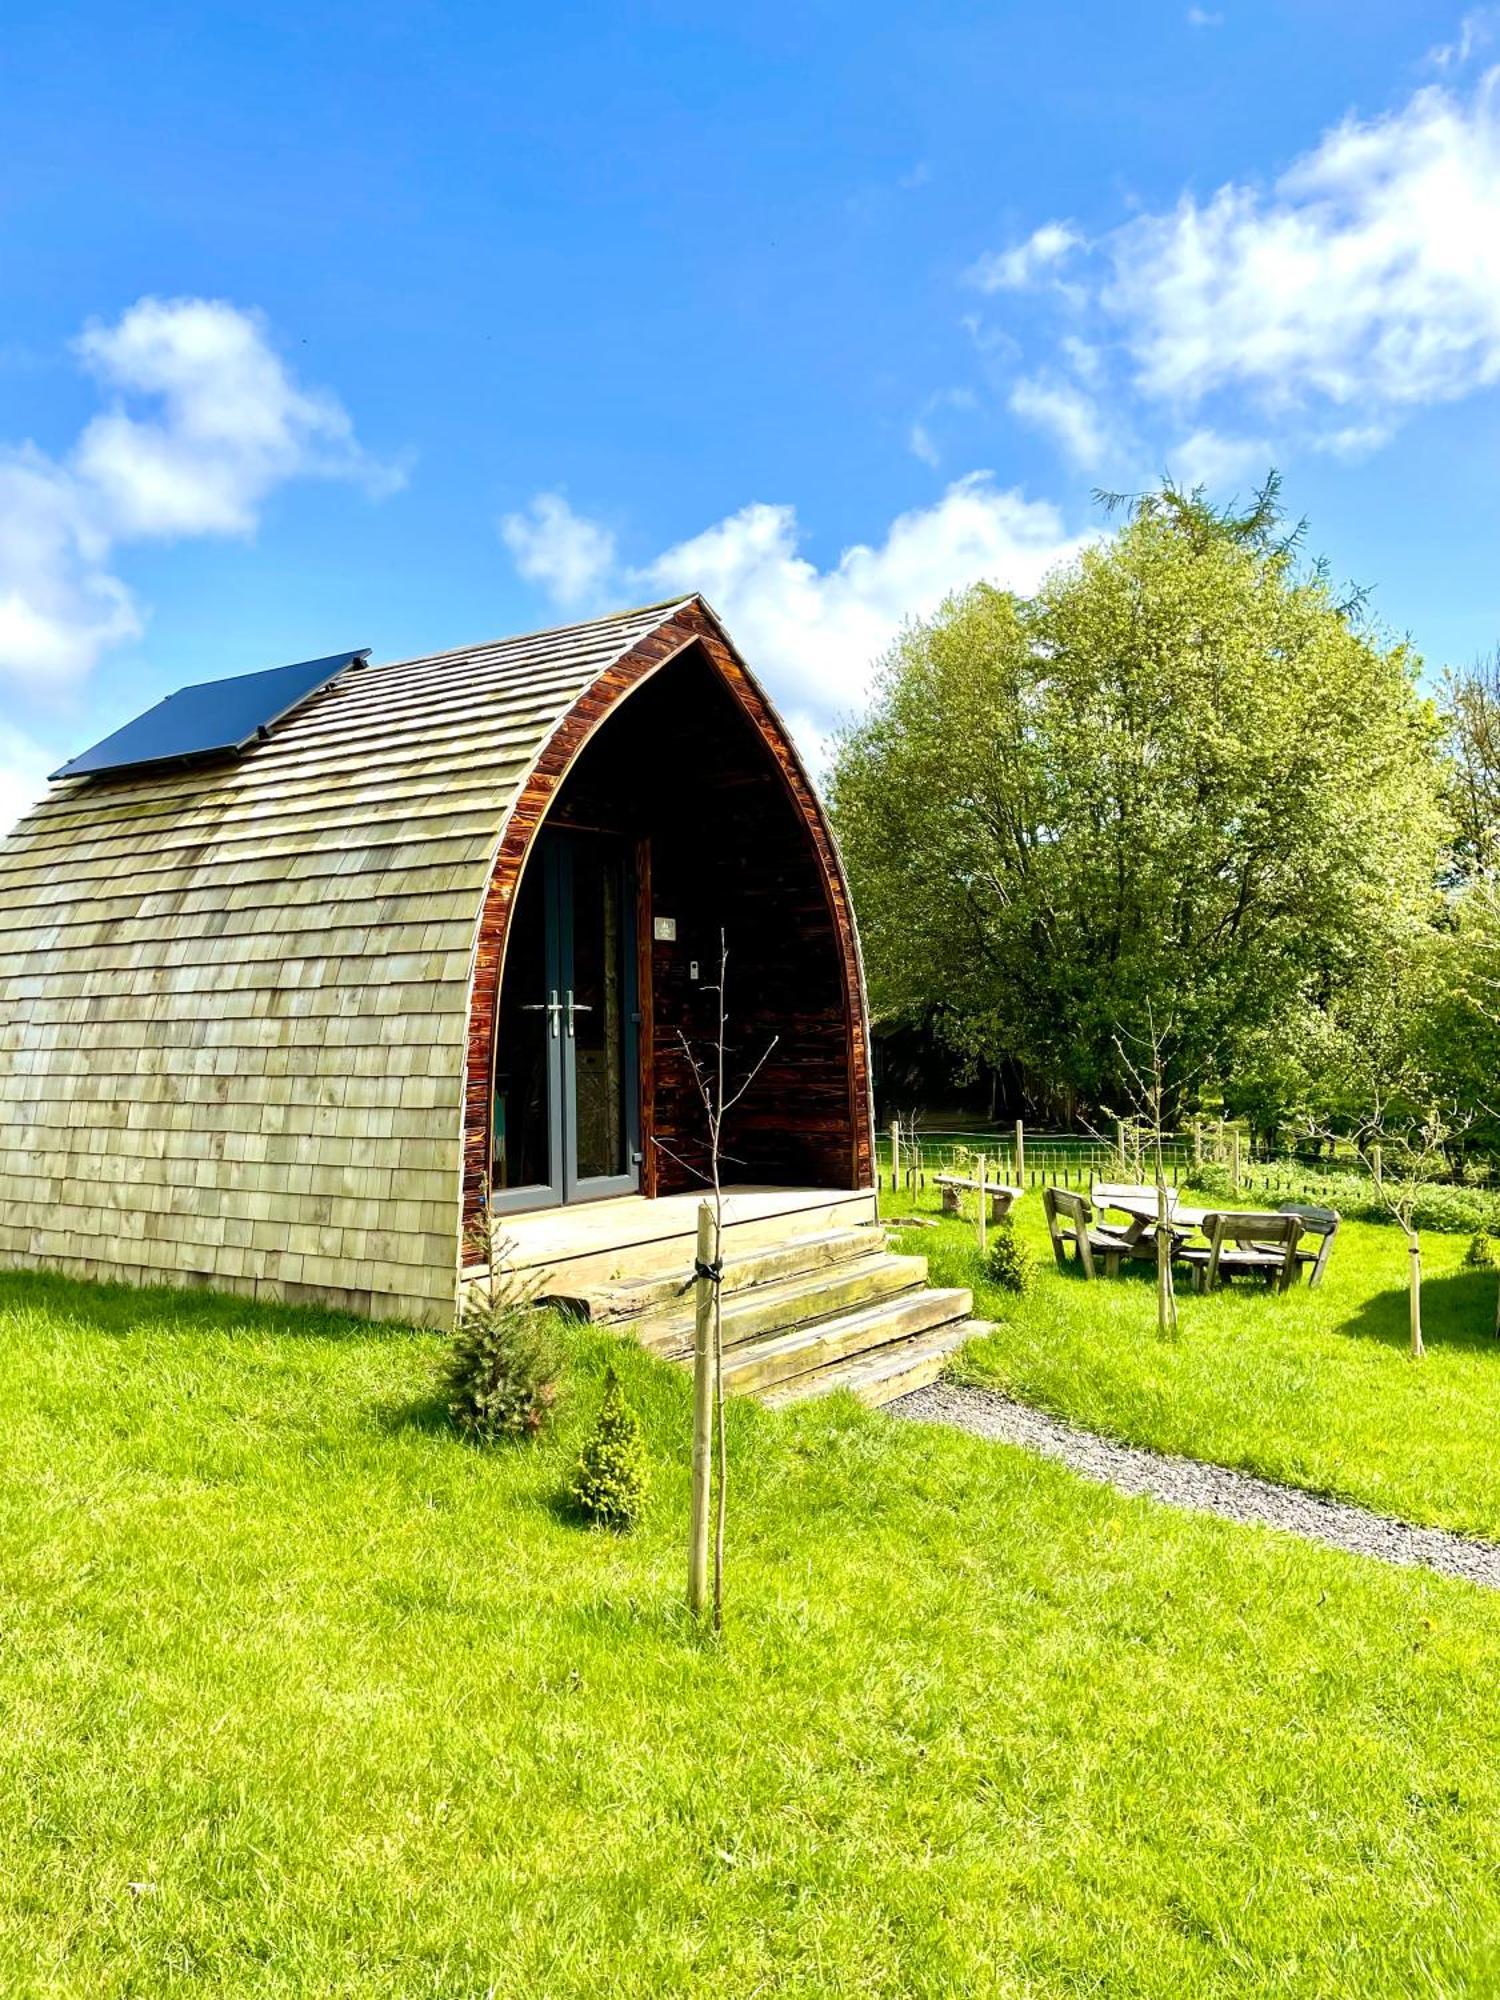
column 235, row 1000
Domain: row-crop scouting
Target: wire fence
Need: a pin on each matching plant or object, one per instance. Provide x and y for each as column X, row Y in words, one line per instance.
column 911, row 1155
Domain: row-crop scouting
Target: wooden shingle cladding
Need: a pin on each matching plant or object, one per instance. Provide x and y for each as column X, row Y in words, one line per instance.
column 246, row 1010
column 234, row 999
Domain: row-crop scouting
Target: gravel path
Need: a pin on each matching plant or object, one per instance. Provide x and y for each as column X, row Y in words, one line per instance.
column 1211, row 1489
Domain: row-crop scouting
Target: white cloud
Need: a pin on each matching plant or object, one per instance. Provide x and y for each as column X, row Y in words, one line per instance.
column 1208, row 458
column 1068, row 412
column 1353, row 440
column 23, row 774
column 1083, row 358
column 1025, row 264
column 1370, row 272
column 204, row 422
column 59, row 606
column 1475, row 31
column 228, row 422
column 919, row 441
column 566, row 553
column 921, row 437
column 1199, row 17
column 814, row 633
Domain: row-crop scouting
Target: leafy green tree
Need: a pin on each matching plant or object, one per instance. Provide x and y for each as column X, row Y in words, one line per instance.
column 1388, row 1102
column 1183, row 780
column 1471, row 711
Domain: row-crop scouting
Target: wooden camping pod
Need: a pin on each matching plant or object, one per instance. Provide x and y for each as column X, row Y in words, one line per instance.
column 247, row 1011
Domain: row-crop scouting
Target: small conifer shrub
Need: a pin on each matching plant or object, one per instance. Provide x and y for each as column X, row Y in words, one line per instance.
column 613, row 1476
column 1481, row 1255
column 1007, row 1261
column 502, row 1370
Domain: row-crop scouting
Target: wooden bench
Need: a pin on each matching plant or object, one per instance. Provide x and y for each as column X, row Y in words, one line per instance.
column 955, row 1186
column 1322, row 1222
column 1246, row 1243
column 1071, row 1220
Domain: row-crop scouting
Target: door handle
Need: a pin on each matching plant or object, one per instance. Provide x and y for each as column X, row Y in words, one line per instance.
column 552, row 1008
column 575, row 1007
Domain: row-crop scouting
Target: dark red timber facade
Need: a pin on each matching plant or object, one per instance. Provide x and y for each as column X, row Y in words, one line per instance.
column 675, row 754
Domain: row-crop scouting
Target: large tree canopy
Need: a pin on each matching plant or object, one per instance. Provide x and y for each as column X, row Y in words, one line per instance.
column 1182, row 784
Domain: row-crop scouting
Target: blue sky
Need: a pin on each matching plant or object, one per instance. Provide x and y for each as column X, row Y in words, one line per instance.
column 401, row 326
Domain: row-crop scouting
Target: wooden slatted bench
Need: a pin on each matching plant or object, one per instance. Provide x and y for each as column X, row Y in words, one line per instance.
column 956, row 1186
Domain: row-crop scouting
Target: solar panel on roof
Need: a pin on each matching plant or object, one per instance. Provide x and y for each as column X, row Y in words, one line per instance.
column 211, row 718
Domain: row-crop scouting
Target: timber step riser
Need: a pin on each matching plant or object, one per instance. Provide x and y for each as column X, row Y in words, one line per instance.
column 807, row 1351
column 798, row 1302
column 882, row 1374
column 803, row 1257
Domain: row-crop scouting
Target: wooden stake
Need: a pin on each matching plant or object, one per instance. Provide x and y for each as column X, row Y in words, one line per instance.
column 1020, row 1153
column 1234, row 1170
column 1413, row 1244
column 1166, row 1304
column 703, row 1413
column 983, row 1216
column 895, row 1156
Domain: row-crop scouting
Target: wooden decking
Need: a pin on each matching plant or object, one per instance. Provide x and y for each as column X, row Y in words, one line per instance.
column 603, row 1242
column 813, row 1299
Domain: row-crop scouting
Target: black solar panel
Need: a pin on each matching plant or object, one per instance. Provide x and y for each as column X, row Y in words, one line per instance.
column 210, row 719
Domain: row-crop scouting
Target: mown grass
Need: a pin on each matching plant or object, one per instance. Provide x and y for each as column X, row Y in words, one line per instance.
column 1314, row 1387
column 303, row 1696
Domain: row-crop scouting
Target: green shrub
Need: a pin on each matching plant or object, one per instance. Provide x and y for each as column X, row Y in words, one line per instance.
column 1480, row 1255
column 613, row 1477
column 1213, row 1179
column 502, row 1370
column 1007, row 1261
column 1440, row 1205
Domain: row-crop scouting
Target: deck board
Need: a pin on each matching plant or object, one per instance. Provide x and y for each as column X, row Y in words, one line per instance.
column 626, row 1235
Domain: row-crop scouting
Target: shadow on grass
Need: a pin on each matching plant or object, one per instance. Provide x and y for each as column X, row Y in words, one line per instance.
column 427, row 1413
column 1458, row 1311
column 122, row 1310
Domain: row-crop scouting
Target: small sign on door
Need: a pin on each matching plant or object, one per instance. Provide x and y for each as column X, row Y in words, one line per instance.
column 664, row 930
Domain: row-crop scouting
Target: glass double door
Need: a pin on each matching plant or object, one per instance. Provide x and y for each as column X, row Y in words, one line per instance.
column 566, row 1099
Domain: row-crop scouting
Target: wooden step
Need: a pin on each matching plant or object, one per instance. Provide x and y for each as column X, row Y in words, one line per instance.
column 882, row 1374
column 762, row 1364
column 768, row 1264
column 789, row 1302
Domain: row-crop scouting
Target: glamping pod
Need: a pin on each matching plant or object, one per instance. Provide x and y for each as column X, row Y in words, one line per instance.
column 300, row 971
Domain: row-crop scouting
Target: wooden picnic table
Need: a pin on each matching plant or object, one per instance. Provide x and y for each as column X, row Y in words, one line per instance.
column 1140, row 1204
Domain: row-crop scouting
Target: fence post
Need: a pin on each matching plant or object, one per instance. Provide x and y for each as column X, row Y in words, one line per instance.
column 895, row 1156
column 1020, row 1154
column 1197, row 1142
column 1235, row 1167
column 983, row 1218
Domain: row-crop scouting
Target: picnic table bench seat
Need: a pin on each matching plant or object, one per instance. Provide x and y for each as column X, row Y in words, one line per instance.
column 1070, row 1221
column 1246, row 1243
column 955, row 1186
column 1320, row 1222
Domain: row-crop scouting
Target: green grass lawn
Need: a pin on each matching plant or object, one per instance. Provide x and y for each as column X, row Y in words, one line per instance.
column 1313, row 1387
column 303, row 1696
